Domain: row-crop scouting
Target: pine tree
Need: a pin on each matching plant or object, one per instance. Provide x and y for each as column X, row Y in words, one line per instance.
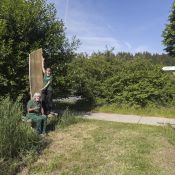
column 169, row 33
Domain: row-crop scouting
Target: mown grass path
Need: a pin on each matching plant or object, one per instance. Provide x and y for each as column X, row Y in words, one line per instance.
column 96, row 147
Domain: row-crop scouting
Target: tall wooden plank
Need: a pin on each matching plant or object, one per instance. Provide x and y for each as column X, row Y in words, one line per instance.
column 35, row 71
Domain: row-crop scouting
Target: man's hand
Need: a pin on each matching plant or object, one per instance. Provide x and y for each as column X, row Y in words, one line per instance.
column 36, row 108
column 42, row 89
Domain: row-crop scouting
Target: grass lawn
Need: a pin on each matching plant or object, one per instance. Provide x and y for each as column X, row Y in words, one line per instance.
column 147, row 111
column 107, row 148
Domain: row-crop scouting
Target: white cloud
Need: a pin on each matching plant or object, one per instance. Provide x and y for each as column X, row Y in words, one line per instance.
column 94, row 44
column 93, row 31
column 66, row 11
column 128, row 46
column 141, row 49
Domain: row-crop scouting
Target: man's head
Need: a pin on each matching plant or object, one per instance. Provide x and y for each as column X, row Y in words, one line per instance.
column 48, row 71
column 37, row 96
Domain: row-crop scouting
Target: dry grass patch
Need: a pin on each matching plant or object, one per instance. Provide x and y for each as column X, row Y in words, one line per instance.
column 164, row 157
column 96, row 147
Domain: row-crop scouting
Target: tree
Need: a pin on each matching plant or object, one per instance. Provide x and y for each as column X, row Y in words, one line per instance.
column 137, row 82
column 169, row 33
column 26, row 25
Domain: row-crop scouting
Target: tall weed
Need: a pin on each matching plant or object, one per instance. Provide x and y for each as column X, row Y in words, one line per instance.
column 69, row 118
column 15, row 136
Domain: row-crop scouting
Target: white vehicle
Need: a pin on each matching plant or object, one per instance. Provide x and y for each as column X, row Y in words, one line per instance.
column 168, row 68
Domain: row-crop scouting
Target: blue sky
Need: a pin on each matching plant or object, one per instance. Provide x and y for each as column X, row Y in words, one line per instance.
column 127, row 25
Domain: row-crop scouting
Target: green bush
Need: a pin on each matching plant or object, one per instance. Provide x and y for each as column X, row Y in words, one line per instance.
column 140, row 83
column 69, row 118
column 16, row 137
column 136, row 81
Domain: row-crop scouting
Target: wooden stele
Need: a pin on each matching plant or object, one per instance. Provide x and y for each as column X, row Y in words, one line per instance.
column 35, row 71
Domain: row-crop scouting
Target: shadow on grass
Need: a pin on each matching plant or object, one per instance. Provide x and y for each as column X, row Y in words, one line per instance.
column 13, row 166
column 169, row 131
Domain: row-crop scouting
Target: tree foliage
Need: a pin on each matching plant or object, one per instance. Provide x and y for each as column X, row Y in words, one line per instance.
column 130, row 80
column 169, row 33
column 26, row 25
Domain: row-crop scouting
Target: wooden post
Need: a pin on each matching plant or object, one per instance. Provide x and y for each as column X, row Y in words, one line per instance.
column 35, row 71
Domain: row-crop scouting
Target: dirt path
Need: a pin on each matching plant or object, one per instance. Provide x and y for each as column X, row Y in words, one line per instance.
column 130, row 119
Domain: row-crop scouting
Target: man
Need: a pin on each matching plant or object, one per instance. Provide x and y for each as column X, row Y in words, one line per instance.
column 36, row 113
column 47, row 90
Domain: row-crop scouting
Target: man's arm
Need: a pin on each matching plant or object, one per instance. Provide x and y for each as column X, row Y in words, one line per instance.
column 31, row 109
column 42, row 111
column 43, row 65
column 46, row 85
